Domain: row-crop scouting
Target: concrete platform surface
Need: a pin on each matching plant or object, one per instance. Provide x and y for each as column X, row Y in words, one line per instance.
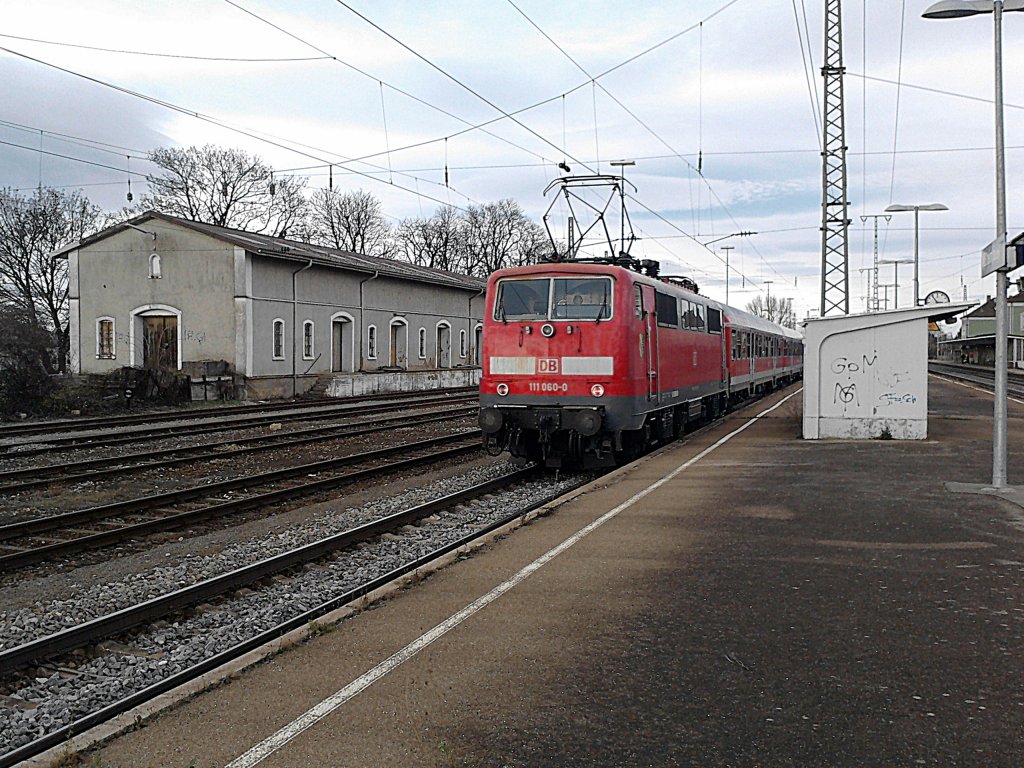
column 778, row 602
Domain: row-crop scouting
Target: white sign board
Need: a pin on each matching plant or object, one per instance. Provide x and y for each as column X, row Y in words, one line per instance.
column 993, row 256
column 1012, row 256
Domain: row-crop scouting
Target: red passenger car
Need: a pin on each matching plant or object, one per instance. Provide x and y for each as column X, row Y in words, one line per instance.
column 586, row 364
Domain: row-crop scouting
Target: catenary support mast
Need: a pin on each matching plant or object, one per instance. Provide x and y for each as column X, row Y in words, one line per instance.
column 835, row 273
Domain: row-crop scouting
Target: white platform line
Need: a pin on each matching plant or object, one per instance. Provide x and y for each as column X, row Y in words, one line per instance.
column 271, row 744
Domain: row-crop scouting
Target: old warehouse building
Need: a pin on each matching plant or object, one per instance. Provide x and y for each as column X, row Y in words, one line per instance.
column 163, row 292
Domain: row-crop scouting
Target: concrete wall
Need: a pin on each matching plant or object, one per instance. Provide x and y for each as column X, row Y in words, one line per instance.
column 875, row 380
column 111, row 278
column 866, row 376
column 322, row 293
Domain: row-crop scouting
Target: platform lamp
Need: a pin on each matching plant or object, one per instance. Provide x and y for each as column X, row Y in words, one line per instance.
column 916, row 209
column 954, row 9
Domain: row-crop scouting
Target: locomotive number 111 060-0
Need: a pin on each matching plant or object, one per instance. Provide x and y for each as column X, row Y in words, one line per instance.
column 548, row 386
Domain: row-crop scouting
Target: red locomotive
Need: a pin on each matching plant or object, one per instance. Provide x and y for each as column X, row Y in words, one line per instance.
column 587, row 364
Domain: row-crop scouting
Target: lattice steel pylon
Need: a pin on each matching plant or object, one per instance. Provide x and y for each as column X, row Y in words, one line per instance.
column 835, row 250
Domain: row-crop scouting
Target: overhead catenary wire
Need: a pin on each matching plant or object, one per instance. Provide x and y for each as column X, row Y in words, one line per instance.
column 896, row 119
column 247, row 60
column 808, row 65
column 430, row 105
column 274, row 141
column 457, row 81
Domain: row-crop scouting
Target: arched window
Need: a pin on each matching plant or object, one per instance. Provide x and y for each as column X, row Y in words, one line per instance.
column 307, row 340
column 154, row 266
column 278, row 339
column 371, row 342
column 423, row 344
column 105, row 338
column 462, row 344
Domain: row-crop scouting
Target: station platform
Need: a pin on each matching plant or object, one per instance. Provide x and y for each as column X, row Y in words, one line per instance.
column 743, row 598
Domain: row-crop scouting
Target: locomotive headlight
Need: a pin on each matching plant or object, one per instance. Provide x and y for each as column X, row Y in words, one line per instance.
column 588, row 423
column 490, row 420
column 547, row 330
column 597, row 390
column 501, row 389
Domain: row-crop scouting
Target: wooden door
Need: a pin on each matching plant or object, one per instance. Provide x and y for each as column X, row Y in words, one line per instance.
column 160, row 343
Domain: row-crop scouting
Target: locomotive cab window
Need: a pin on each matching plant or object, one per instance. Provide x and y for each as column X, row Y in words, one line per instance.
column 667, row 310
column 560, row 298
column 694, row 316
column 522, row 300
column 714, row 320
column 583, row 298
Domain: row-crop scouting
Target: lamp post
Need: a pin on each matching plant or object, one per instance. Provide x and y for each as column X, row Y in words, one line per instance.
column 917, row 210
column 727, row 248
column 953, row 9
column 896, row 278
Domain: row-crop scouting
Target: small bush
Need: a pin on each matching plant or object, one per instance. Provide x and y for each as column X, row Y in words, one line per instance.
column 25, row 383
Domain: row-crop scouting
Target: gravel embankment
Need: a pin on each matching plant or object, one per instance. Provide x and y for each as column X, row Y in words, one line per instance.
column 54, row 700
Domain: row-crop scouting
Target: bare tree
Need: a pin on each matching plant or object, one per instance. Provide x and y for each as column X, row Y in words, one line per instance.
column 436, row 242
column 31, row 229
column 478, row 241
column 226, row 187
column 775, row 309
column 499, row 235
column 350, row 221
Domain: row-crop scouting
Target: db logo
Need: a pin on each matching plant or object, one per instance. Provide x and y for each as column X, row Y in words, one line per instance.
column 547, row 365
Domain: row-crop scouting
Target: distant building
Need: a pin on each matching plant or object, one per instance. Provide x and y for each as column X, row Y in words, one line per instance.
column 977, row 339
column 163, row 292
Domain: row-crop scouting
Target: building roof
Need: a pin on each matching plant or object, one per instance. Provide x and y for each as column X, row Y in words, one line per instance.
column 294, row 250
column 988, row 309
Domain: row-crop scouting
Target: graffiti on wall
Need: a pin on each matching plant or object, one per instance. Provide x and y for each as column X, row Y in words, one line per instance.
column 864, row 384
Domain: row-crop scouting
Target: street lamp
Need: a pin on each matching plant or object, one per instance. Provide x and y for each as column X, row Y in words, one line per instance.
column 953, row 9
column 916, row 209
column 896, row 278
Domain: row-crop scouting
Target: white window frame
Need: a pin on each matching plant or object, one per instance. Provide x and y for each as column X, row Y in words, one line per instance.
column 422, row 344
column 371, row 342
column 308, row 355
column 155, row 272
column 462, row 344
column 113, row 338
column 275, row 355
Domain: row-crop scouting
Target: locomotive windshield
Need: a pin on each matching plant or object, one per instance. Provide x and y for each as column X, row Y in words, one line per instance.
column 559, row 298
column 522, row 300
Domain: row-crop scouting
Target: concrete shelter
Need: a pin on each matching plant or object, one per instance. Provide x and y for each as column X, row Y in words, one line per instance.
column 866, row 376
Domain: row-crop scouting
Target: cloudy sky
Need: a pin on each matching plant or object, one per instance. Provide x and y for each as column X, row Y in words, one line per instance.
column 389, row 92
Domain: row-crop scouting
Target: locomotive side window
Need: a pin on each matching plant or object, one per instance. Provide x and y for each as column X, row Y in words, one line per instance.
column 522, row 300
column 638, row 300
column 692, row 316
column 695, row 317
column 667, row 310
column 583, row 298
column 714, row 320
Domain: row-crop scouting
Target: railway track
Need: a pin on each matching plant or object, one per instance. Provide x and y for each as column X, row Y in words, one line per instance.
column 58, row 442
column 983, row 377
column 43, row 539
column 15, row 481
column 449, row 523
column 63, row 426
